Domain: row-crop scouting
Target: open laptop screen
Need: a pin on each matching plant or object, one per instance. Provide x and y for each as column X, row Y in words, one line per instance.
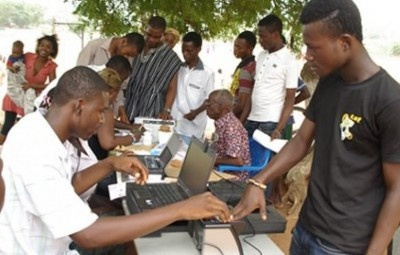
column 165, row 156
column 170, row 149
column 174, row 143
column 196, row 168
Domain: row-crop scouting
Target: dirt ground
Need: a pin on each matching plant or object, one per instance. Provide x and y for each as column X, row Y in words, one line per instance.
column 282, row 240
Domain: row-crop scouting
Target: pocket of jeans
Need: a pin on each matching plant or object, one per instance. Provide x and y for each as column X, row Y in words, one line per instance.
column 268, row 127
column 295, row 245
column 328, row 248
column 297, row 231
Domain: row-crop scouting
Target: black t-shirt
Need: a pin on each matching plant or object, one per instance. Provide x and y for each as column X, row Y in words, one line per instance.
column 357, row 129
column 94, row 144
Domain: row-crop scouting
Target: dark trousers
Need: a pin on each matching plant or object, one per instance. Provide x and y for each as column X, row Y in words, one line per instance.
column 9, row 121
column 305, row 243
column 266, row 127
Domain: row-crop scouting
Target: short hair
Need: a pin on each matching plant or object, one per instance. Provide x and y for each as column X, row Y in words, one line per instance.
column 119, row 63
column 111, row 77
column 340, row 16
column 18, row 44
column 78, row 82
column 272, row 22
column 135, row 39
column 157, row 22
column 193, row 37
column 54, row 43
column 249, row 37
column 223, row 97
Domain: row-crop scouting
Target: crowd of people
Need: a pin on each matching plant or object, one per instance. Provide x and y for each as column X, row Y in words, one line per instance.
column 53, row 181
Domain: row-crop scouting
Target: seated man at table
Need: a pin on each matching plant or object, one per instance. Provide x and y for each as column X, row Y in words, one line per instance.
column 232, row 145
column 42, row 212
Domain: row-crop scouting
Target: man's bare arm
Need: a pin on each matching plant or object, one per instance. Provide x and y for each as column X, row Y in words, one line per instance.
column 115, row 230
column 389, row 215
column 169, row 98
column 290, row 154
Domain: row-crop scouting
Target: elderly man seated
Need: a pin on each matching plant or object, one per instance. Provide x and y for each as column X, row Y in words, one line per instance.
column 232, row 145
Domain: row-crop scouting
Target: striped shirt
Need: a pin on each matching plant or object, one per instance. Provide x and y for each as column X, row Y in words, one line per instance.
column 148, row 83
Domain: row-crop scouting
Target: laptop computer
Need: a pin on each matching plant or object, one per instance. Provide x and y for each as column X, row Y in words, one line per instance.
column 192, row 180
column 157, row 163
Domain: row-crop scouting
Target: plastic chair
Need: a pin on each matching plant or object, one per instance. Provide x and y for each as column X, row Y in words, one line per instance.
column 259, row 159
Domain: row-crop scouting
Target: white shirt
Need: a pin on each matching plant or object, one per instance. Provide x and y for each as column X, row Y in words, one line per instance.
column 275, row 73
column 41, row 208
column 79, row 163
column 194, row 86
column 95, row 53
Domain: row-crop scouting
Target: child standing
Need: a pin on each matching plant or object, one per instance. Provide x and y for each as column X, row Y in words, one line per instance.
column 16, row 75
column 17, row 55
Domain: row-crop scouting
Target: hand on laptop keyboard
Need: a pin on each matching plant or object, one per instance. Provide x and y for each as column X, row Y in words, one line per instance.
column 204, row 206
column 252, row 199
column 130, row 165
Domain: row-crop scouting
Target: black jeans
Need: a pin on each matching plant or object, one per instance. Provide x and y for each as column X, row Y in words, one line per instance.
column 9, row 121
column 266, row 127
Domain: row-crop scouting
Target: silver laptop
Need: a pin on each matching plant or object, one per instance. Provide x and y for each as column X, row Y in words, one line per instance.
column 157, row 163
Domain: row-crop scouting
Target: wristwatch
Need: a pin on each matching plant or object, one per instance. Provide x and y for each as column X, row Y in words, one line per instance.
column 168, row 110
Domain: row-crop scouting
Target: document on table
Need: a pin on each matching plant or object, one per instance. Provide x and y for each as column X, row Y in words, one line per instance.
column 265, row 140
column 117, row 190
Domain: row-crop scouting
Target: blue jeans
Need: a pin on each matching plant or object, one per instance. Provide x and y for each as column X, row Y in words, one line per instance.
column 305, row 243
column 266, row 127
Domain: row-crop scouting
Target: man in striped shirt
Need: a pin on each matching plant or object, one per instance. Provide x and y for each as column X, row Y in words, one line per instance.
column 152, row 85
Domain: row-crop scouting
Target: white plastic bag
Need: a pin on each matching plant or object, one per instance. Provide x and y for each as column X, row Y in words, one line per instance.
column 21, row 98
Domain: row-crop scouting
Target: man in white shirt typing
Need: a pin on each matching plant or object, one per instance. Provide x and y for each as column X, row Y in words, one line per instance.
column 42, row 212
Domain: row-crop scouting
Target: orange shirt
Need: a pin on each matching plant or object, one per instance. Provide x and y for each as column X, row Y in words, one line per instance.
column 42, row 75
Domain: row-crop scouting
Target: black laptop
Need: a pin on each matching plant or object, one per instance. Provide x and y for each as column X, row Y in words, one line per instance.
column 192, row 180
column 157, row 163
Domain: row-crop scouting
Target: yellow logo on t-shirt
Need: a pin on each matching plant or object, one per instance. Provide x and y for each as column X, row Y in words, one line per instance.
column 235, row 81
column 348, row 121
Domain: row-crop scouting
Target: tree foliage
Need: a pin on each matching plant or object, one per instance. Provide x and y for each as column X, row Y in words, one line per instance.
column 20, row 14
column 211, row 18
column 396, row 49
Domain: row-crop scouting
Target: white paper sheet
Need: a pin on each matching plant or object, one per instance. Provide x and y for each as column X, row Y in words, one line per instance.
column 265, row 140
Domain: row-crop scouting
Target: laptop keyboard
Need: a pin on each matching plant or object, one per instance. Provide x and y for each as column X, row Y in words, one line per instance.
column 157, row 195
column 167, row 194
column 228, row 191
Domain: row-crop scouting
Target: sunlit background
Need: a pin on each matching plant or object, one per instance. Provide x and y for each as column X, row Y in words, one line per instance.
column 380, row 23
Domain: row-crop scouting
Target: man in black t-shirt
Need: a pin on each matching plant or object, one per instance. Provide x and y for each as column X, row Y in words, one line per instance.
column 352, row 205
